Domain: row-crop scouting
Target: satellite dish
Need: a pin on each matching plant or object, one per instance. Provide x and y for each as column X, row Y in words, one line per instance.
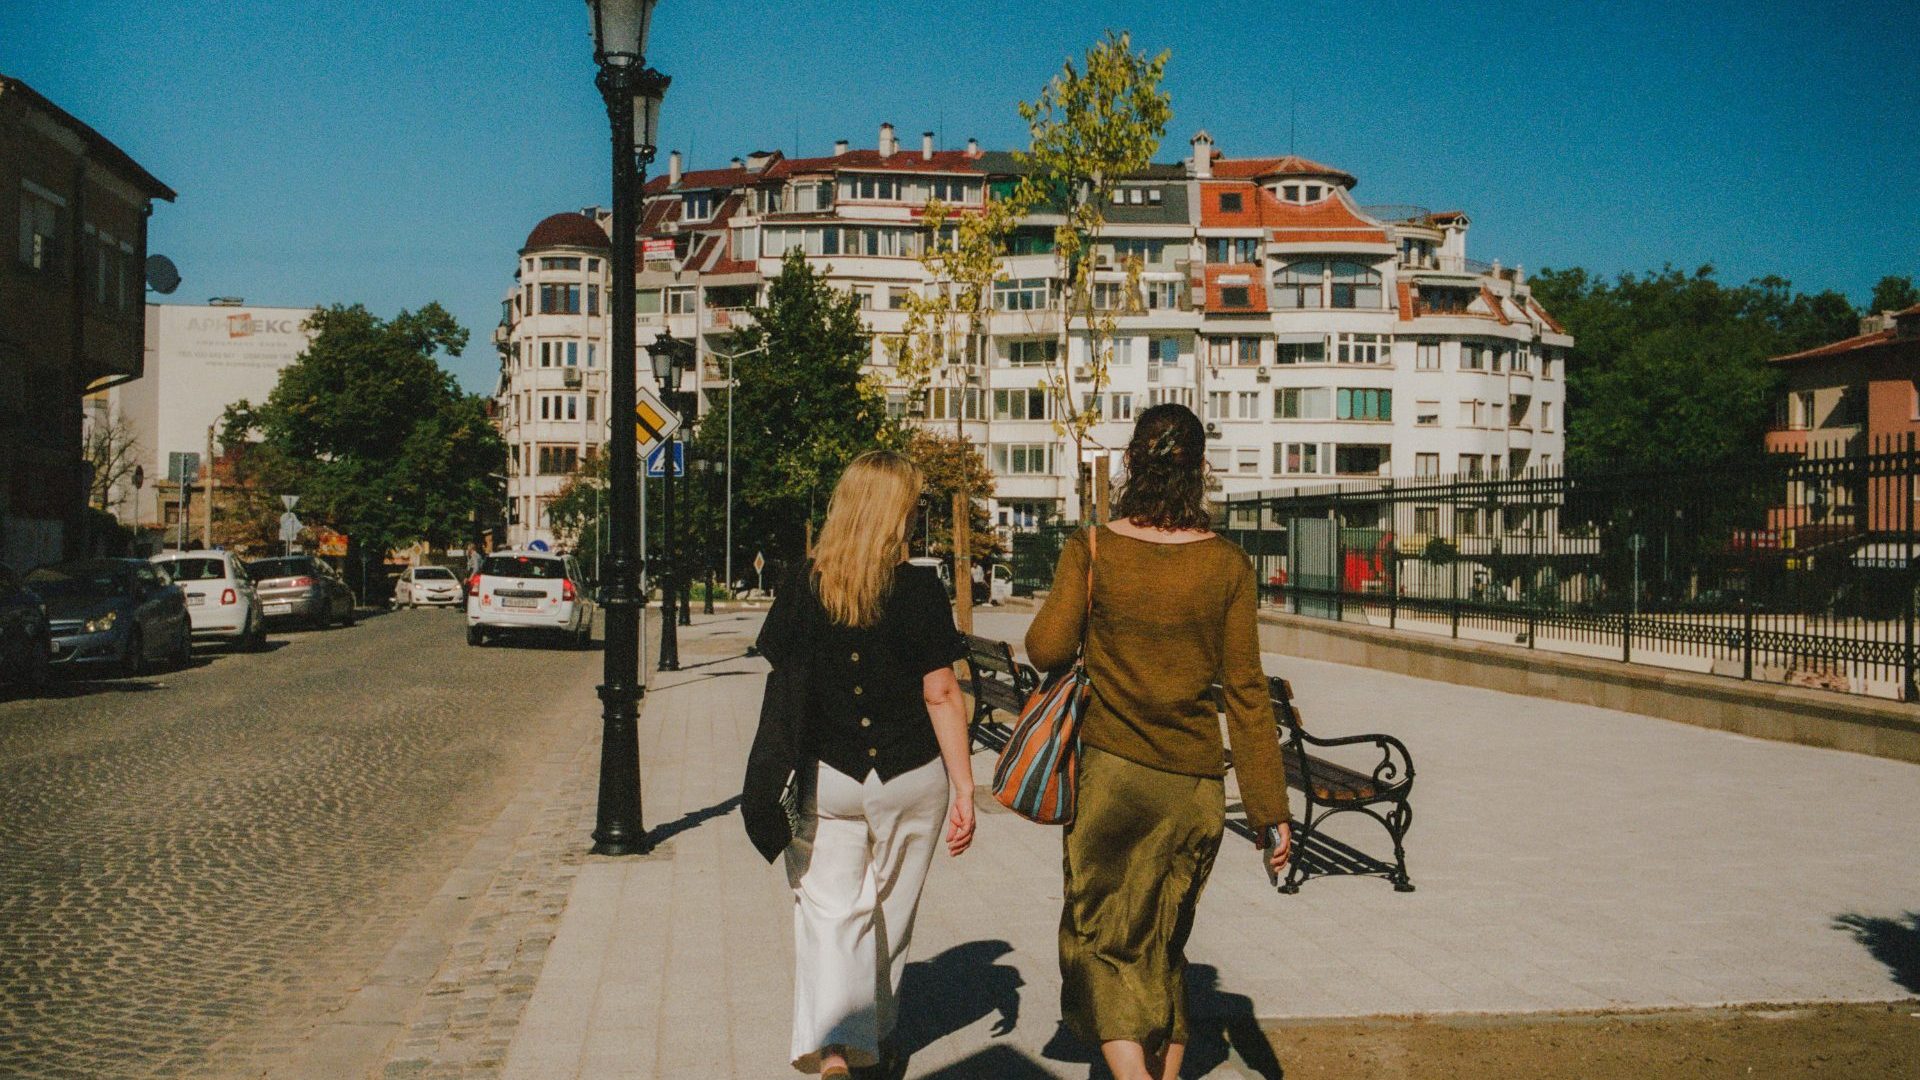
column 162, row 276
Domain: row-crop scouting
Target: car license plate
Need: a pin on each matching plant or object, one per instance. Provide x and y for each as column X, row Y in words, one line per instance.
column 519, row 602
column 195, row 600
column 279, row 609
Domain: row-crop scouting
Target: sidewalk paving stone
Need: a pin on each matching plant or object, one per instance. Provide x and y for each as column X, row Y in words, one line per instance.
column 1566, row 858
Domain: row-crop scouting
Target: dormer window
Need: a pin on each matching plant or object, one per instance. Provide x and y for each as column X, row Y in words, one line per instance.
column 1235, row 296
column 697, row 206
column 1153, row 196
column 1230, row 202
column 1290, row 192
column 1313, row 192
column 875, row 188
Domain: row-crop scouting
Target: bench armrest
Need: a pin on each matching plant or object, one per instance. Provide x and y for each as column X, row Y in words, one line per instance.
column 1394, row 768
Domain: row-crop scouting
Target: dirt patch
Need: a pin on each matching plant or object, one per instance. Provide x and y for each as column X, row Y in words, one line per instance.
column 1846, row 1042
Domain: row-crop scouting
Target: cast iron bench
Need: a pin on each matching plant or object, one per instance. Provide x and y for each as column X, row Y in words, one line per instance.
column 999, row 683
column 1380, row 792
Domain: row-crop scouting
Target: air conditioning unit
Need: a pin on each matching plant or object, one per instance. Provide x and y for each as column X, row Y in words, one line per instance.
column 571, row 377
column 1261, row 373
column 1103, row 261
column 1213, row 430
column 1083, row 372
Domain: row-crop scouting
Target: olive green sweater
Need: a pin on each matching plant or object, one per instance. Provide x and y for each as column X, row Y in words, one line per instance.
column 1168, row 620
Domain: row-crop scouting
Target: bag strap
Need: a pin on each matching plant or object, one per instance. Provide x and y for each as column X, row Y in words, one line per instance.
column 1093, row 550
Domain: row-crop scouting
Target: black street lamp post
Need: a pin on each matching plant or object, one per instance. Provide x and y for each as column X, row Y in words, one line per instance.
column 669, row 357
column 711, row 471
column 632, row 92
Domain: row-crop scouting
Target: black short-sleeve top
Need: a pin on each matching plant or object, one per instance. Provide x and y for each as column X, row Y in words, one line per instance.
column 865, row 708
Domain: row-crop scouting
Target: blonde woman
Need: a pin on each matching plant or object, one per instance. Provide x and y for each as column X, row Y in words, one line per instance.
column 864, row 712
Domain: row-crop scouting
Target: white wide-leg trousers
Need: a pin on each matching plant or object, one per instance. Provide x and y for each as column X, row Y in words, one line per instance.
column 857, row 867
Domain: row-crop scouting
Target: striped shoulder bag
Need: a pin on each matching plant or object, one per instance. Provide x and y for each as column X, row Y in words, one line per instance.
column 1039, row 767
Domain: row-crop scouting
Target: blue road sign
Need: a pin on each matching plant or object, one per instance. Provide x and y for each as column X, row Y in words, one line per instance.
column 537, row 545
column 656, row 460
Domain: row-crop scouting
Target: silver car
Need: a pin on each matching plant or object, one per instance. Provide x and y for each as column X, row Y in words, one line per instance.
column 302, row 588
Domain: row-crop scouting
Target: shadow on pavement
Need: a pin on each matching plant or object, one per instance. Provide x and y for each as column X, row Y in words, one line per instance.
column 994, row 1063
column 1890, row 941
column 951, row 991
column 692, row 819
column 1221, row 1027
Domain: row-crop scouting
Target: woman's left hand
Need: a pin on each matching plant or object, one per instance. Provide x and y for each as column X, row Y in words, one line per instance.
column 960, row 820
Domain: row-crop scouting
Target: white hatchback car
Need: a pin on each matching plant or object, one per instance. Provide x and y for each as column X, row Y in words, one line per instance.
column 428, row 586
column 221, row 602
column 528, row 591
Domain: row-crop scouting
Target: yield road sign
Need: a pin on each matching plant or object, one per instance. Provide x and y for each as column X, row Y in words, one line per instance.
column 289, row 501
column 289, row 527
column 656, row 460
column 652, row 419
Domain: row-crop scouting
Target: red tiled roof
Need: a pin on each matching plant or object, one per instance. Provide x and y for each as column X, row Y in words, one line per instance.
column 567, row 230
column 1904, row 312
column 1447, row 215
column 1839, row 348
column 778, row 168
column 1331, row 220
column 1256, row 289
column 1552, row 323
column 1494, row 307
column 1285, row 165
column 1406, row 300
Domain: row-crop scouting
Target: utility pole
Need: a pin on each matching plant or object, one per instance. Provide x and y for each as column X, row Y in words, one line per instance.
column 962, row 561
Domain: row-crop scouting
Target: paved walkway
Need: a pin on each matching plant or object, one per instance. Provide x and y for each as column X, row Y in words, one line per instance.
column 1567, row 857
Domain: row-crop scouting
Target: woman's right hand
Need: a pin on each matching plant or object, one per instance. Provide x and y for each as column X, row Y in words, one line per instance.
column 960, row 820
column 1282, row 848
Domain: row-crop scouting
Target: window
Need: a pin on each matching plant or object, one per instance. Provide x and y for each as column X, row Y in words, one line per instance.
column 1022, row 294
column 1426, row 519
column 1233, row 351
column 1313, row 193
column 1426, row 414
column 897, row 297
column 1163, row 351
column 593, row 351
column 1426, row 467
column 1163, row 295
column 1426, row 354
column 1148, row 252
column 1352, row 460
column 553, row 263
column 1233, row 249
column 697, row 206
column 1496, row 414
column 1469, row 414
column 1466, row 520
column 1112, row 296
column 1300, row 352
column 744, row 243
column 1800, row 414
column 1365, row 404
column 1235, row 296
column 1034, row 352
column 558, row 460
column 1497, row 354
column 947, row 402
column 592, row 403
column 1522, row 357
column 1246, row 460
column 1473, row 356
column 1363, row 349
column 1355, row 285
column 872, row 188
column 1546, row 415
column 40, row 215
column 1230, row 202
column 1171, row 395
column 1470, row 466
column 593, row 299
column 1303, row 403
column 546, row 354
column 1121, row 406
column 1219, row 459
column 1219, row 404
column 1032, row 403
column 680, row 301
column 1023, row 459
column 1094, row 405
column 896, row 404
column 1297, row 285
column 573, row 354
column 1025, row 513
column 952, row 190
column 1547, row 357
column 1290, row 192
column 1122, row 351
column 647, row 302
column 1297, row 459
column 559, row 299
column 810, row 240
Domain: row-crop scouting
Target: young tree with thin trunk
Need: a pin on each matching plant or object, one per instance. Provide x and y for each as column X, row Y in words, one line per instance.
column 1091, row 128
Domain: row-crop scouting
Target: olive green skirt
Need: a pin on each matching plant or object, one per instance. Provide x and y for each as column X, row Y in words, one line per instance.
column 1138, row 852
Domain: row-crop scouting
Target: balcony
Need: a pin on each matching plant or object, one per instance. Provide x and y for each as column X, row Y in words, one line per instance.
column 1520, row 383
column 1520, row 436
column 725, row 320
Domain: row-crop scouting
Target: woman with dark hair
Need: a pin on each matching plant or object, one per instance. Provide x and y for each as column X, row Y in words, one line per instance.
column 1173, row 611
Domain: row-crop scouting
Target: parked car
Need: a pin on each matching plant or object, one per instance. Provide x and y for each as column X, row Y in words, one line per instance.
column 222, row 603
column 939, row 567
column 116, row 615
column 301, row 587
column 528, row 591
column 428, row 586
column 26, row 641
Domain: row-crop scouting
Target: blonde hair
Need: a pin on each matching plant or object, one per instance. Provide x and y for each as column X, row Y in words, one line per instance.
column 865, row 536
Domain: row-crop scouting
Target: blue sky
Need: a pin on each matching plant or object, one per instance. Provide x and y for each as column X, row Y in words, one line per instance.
column 392, row 154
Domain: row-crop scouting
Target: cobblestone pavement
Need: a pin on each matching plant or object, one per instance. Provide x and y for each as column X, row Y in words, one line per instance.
column 196, row 865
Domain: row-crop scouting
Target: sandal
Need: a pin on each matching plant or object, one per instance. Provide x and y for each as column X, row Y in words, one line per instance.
column 835, row 1072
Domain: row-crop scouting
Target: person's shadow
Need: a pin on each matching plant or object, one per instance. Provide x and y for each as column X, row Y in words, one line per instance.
column 955, row 989
column 1220, row 1025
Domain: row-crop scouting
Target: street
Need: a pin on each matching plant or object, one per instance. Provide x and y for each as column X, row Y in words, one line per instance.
column 196, row 864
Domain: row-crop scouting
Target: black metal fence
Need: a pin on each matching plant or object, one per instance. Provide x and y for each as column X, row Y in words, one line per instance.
column 1799, row 567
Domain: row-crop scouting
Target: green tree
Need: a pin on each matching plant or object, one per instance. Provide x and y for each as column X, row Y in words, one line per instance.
column 1669, row 366
column 1090, row 128
column 1893, row 293
column 373, row 434
column 803, row 410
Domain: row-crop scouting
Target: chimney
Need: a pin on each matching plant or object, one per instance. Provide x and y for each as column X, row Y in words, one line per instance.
column 1201, row 164
column 887, row 144
column 926, row 146
column 737, row 163
column 757, row 160
column 839, row 147
column 973, row 147
column 673, row 168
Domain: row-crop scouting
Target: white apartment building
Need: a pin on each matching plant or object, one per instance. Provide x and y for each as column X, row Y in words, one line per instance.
column 1319, row 339
column 200, row 358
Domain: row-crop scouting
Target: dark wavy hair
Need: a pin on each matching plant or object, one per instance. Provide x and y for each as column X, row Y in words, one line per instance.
column 1166, row 485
